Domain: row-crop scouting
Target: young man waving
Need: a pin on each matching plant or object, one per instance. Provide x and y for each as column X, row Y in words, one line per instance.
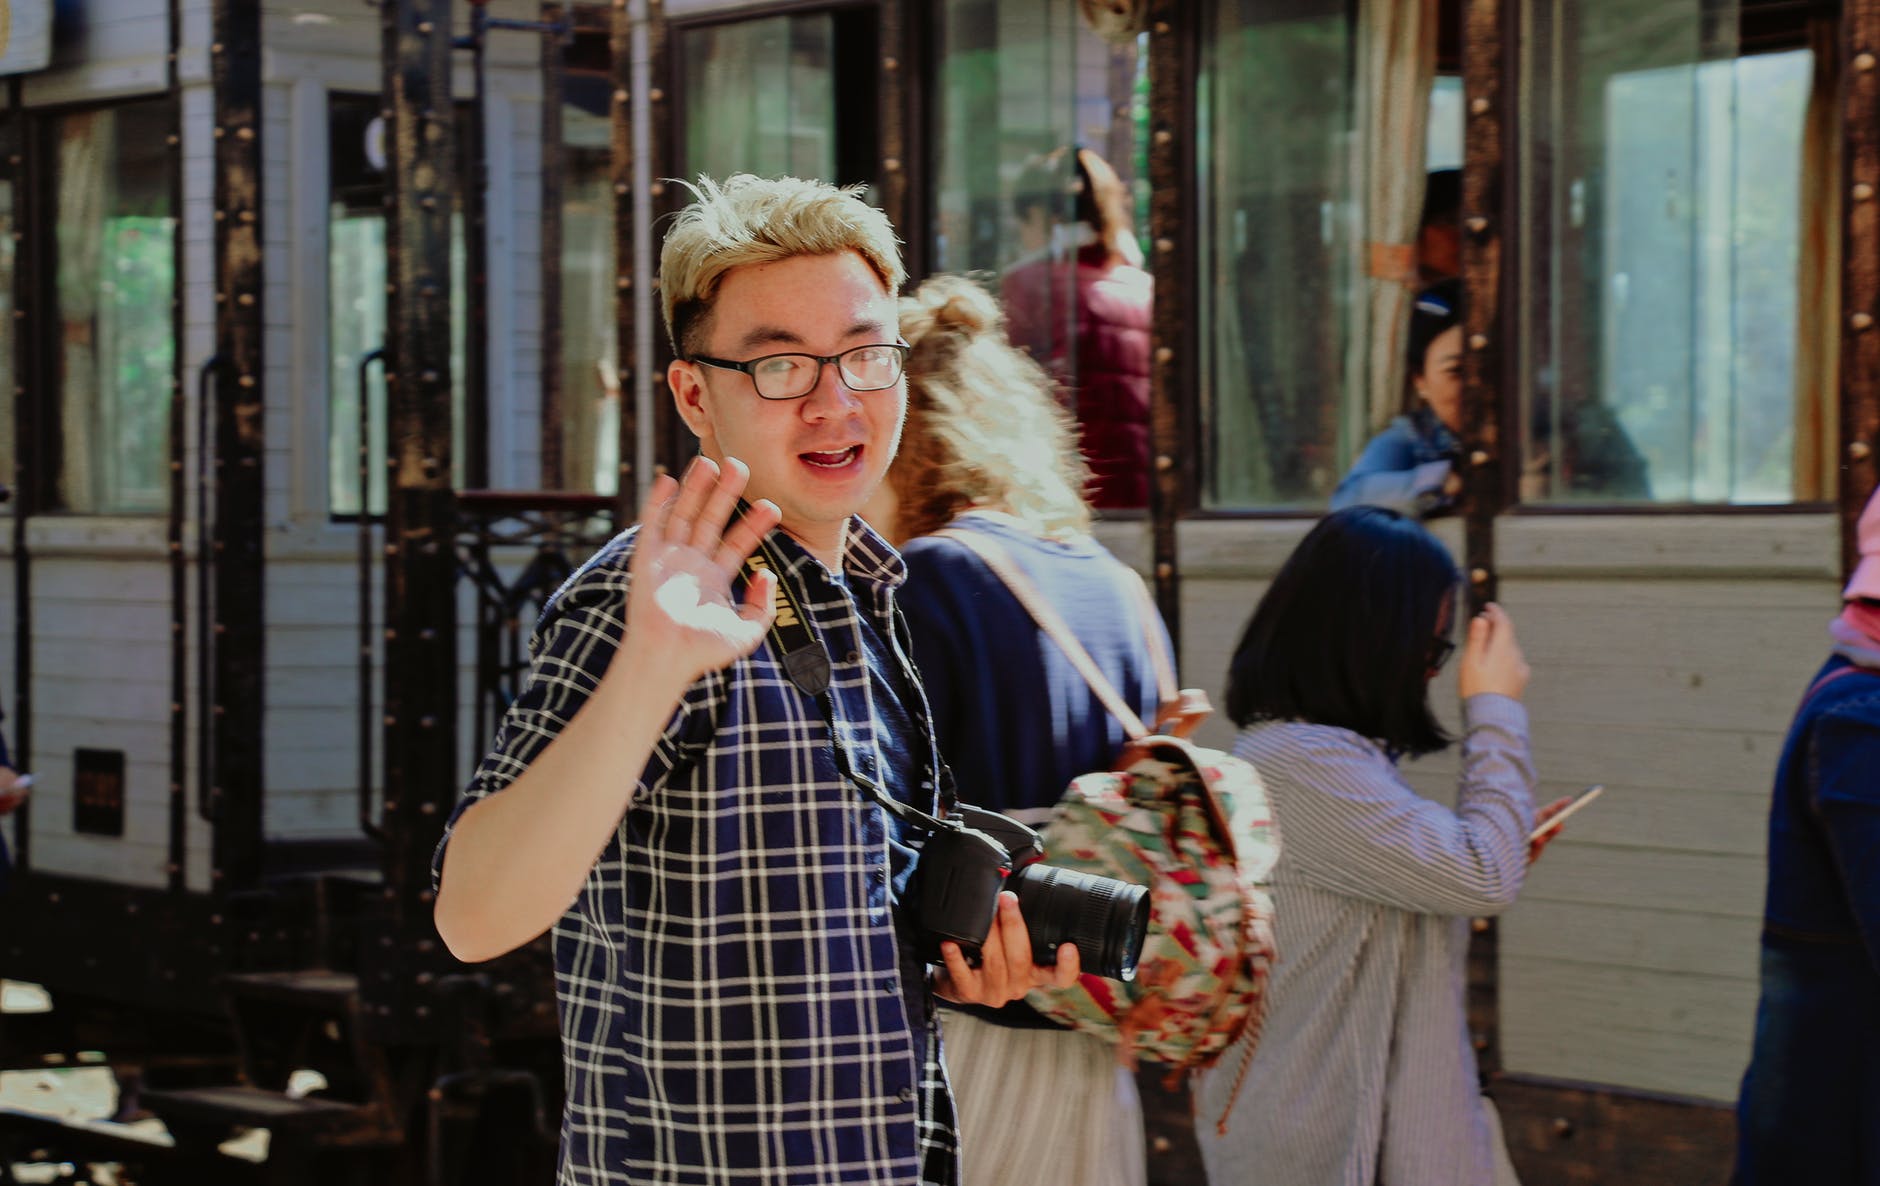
column 702, row 833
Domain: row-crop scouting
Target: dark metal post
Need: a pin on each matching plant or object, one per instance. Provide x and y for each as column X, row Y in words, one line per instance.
column 420, row 600
column 1860, row 255
column 1172, row 43
column 896, row 141
column 476, row 255
column 24, row 336
column 179, row 504
column 554, row 183
column 1486, row 47
column 238, row 635
column 368, row 720
column 620, row 171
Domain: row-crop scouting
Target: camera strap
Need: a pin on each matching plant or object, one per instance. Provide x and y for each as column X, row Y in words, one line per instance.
column 806, row 661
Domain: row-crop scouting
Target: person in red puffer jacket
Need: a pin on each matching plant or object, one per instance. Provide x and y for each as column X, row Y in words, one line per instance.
column 1087, row 319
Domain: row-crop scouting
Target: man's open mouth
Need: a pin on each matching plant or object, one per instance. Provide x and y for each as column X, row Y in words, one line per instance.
column 833, row 460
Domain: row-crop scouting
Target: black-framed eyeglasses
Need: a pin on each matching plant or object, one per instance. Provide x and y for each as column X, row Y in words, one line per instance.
column 1440, row 650
column 793, row 376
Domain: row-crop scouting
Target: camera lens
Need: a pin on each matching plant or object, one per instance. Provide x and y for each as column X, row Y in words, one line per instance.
column 1107, row 919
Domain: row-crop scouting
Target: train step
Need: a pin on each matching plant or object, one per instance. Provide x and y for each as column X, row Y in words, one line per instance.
column 304, row 1120
column 317, row 990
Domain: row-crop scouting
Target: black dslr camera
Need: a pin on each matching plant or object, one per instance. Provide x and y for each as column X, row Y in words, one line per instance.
column 954, row 893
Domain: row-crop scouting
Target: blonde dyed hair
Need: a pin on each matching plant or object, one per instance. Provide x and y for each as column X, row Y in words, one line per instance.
column 983, row 425
column 759, row 220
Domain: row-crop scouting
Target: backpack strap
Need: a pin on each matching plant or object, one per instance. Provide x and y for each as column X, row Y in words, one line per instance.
column 1824, row 681
column 1059, row 631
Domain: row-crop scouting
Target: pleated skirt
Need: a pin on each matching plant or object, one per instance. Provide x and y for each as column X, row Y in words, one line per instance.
column 1042, row 1106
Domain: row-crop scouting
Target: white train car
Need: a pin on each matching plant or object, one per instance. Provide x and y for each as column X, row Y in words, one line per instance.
column 220, row 211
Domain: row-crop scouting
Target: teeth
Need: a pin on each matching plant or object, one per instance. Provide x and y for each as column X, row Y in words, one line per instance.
column 831, row 460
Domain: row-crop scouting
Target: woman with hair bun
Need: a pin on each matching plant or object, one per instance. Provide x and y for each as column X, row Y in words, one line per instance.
column 988, row 450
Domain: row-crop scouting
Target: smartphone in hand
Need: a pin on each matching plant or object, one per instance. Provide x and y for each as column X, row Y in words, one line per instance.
column 1580, row 800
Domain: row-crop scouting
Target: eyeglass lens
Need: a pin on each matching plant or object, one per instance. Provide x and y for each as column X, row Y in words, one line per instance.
column 865, row 368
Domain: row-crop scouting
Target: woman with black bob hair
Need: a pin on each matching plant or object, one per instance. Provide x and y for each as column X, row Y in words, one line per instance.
column 1365, row 1073
column 1350, row 632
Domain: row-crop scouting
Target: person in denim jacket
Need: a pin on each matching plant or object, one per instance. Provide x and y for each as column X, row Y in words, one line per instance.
column 1410, row 467
column 1810, row 1105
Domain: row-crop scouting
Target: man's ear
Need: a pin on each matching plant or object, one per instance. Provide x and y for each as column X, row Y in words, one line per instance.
column 689, row 395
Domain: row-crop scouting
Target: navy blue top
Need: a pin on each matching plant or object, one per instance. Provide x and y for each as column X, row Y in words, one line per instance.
column 1014, row 719
column 1809, row 1110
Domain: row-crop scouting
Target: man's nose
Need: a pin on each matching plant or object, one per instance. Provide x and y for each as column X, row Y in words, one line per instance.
column 831, row 396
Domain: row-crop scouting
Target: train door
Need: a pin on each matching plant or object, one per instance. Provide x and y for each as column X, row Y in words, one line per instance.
column 806, row 92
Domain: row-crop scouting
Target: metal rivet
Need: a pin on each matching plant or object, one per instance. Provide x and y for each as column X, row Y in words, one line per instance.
column 657, row 94
column 621, row 96
column 1164, row 136
column 1161, row 28
column 1863, row 62
column 1479, row 457
column 890, row 64
column 1478, row 925
column 891, row 164
column 1165, row 245
column 1861, row 321
column 658, row 189
column 1862, row 191
column 1164, row 463
column 244, row 133
column 1478, row 106
column 1164, row 571
column 1478, row 341
column 1479, row 575
column 1477, row 224
column 424, row 28
column 1164, row 354
column 1859, row 450
column 1563, row 1127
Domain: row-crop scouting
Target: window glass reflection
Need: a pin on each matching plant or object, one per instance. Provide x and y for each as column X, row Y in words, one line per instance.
column 116, row 273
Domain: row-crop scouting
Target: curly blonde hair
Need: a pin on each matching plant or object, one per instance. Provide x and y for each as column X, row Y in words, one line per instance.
column 983, row 427
column 760, row 220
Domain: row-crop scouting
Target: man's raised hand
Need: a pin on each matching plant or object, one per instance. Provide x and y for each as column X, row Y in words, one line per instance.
column 681, row 619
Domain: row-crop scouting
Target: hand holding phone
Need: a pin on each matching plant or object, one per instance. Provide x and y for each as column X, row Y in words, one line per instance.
column 1580, row 800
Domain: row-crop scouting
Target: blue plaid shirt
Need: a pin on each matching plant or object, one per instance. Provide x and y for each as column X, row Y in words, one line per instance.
column 734, row 1004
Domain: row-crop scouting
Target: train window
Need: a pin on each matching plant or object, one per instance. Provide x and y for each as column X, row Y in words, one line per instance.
column 115, row 281
column 590, row 344
column 1022, row 87
column 356, row 314
column 1278, row 294
column 1664, row 242
column 9, row 223
column 760, row 97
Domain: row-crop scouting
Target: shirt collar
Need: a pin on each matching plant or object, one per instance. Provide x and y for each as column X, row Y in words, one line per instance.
column 867, row 558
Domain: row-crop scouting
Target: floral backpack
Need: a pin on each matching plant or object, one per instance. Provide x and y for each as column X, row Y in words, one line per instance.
column 1192, row 824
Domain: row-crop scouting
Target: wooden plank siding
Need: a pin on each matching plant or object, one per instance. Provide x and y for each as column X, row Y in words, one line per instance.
column 1668, row 655
column 101, row 629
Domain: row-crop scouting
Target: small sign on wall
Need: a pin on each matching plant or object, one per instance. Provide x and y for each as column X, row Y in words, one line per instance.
column 97, row 790
column 25, row 35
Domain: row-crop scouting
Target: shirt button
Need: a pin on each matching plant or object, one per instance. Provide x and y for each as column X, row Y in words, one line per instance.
column 888, row 986
column 907, row 1095
column 854, row 656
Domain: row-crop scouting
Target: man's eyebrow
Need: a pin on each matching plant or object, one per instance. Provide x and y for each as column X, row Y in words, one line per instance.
column 771, row 335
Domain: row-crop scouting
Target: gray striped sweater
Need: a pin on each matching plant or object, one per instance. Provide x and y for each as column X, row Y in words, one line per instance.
column 1365, row 1074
